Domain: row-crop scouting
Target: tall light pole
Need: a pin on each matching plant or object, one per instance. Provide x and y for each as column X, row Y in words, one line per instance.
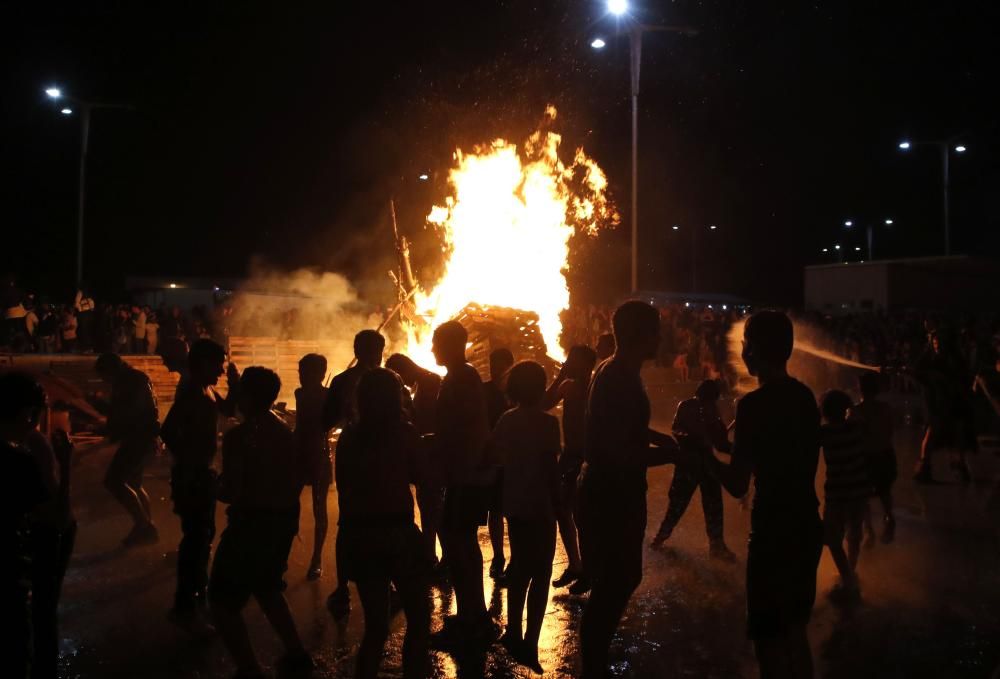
column 85, row 108
column 945, row 148
column 635, row 30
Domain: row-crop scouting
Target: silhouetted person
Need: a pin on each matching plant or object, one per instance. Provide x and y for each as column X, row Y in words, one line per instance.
column 460, row 438
column 341, row 410
column 776, row 439
column 497, row 404
column 699, row 429
column 612, row 493
column 21, row 490
column 425, row 386
column 191, row 430
column 876, row 421
column 605, row 347
column 846, row 490
column 570, row 387
column 260, row 483
column 526, row 439
column 948, row 395
column 52, row 536
column 134, row 423
column 312, row 448
column 378, row 457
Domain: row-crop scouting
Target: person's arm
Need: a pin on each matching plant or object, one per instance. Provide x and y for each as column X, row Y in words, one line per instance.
column 416, row 456
column 227, row 406
column 170, row 431
column 551, row 462
column 663, row 449
column 554, row 393
column 735, row 476
column 63, row 448
column 718, row 435
column 334, row 406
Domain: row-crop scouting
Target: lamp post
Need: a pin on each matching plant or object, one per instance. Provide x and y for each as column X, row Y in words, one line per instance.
column 694, row 251
column 635, row 31
column 945, row 147
column 869, row 232
column 85, row 108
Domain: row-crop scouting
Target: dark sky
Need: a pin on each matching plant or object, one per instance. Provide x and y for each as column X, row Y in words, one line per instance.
column 280, row 134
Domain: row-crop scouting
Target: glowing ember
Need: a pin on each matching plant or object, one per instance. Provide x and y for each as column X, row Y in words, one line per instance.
column 507, row 228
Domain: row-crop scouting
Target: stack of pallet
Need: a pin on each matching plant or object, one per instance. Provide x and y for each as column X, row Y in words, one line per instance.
column 493, row 328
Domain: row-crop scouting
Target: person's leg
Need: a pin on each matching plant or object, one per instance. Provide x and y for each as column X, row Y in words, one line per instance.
column 115, row 483
column 711, row 504
column 924, row 470
column 681, row 489
column 543, row 550
column 429, row 500
column 495, row 525
column 321, row 521
column 233, row 630
column 833, row 525
column 470, row 565
column 274, row 605
column 518, row 577
column 374, row 595
column 193, row 554
column 45, row 548
column 798, row 653
column 567, row 529
column 411, row 583
column 854, row 531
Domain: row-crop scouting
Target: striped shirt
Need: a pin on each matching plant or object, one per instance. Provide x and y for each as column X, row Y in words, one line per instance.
column 846, row 471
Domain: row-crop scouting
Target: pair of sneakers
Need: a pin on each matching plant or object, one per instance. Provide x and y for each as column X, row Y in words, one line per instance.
column 522, row 653
column 460, row 635
column 575, row 580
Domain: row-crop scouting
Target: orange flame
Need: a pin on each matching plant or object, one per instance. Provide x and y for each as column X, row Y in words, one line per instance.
column 507, row 228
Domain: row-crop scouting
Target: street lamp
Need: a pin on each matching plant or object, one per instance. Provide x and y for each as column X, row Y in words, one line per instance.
column 869, row 233
column 944, row 148
column 694, row 252
column 635, row 31
column 85, row 108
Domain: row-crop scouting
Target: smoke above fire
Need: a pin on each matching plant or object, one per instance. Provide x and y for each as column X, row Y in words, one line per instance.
column 506, row 228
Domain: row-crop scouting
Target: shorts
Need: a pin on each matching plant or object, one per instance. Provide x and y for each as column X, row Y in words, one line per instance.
column 882, row 470
column 843, row 516
column 611, row 521
column 129, row 462
column 781, row 577
column 252, row 556
column 466, row 506
column 380, row 548
column 193, row 490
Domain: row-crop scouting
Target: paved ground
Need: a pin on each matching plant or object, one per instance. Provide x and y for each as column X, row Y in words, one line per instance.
column 931, row 609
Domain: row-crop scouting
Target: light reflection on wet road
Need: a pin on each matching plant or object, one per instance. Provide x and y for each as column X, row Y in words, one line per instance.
column 932, row 600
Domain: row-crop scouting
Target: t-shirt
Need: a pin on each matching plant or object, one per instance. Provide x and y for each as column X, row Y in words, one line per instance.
column 496, row 402
column 134, row 415
column 527, row 443
column 191, row 429
column 258, row 465
column 700, row 426
column 844, row 454
column 617, row 439
column 777, row 429
column 574, row 419
column 374, row 470
column 461, row 427
column 311, row 441
column 425, row 401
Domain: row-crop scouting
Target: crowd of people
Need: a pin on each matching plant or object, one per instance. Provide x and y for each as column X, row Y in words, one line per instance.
column 478, row 455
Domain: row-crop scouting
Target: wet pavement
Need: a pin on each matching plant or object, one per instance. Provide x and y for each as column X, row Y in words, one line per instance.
column 931, row 600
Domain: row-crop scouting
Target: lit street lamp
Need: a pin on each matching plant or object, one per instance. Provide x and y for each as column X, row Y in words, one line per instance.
column 635, row 30
column 869, row 232
column 944, row 147
column 694, row 251
column 85, row 107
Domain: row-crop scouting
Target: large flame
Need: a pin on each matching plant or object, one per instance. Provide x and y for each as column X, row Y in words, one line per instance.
column 507, row 228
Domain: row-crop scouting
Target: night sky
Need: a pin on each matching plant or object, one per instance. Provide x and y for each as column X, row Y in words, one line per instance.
column 280, row 134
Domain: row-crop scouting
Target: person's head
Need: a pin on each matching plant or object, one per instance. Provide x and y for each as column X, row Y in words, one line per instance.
column 870, row 384
column 580, row 362
column 835, row 405
column 501, row 361
column 403, row 366
column 605, row 346
column 526, row 384
column 368, row 348
column 206, row 361
column 174, row 352
column 22, row 400
column 108, row 365
column 767, row 341
column 259, row 387
column 312, row 370
column 379, row 398
column 448, row 343
column 637, row 330
column 708, row 391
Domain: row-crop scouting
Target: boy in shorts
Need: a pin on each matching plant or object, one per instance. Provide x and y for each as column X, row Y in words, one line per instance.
column 260, row 482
